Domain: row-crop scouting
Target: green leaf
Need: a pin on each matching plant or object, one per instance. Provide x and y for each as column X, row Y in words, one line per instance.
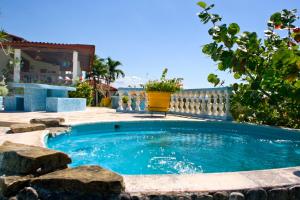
column 212, row 78
column 202, row 4
column 237, row 76
column 233, row 28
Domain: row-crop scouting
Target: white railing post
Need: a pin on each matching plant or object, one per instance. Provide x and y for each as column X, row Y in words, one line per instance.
column 197, row 103
column 138, row 101
column 215, row 103
column 120, row 102
column 227, row 103
column 221, row 103
column 129, row 108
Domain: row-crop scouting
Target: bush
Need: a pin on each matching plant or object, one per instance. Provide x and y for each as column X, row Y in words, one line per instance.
column 3, row 91
column 268, row 69
column 83, row 90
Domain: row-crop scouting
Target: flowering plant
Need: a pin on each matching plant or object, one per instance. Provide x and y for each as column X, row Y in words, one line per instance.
column 164, row 84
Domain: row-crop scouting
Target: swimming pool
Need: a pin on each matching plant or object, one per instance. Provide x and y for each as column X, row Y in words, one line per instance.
column 179, row 147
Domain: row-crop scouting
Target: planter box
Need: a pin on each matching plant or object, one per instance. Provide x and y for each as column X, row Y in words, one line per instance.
column 158, row 101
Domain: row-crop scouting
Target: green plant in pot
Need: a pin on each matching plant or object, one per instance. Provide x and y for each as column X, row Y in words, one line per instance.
column 159, row 92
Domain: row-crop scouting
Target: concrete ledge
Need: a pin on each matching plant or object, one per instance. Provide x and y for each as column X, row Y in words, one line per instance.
column 55, row 104
column 212, row 182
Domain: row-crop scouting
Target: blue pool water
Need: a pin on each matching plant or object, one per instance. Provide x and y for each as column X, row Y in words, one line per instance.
column 180, row 147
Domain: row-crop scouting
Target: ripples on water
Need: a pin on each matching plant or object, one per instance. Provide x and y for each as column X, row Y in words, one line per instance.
column 179, row 151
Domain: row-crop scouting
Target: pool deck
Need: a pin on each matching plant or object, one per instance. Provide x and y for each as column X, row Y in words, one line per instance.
column 231, row 181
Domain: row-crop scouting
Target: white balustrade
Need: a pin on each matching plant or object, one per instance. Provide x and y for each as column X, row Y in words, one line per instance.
column 206, row 103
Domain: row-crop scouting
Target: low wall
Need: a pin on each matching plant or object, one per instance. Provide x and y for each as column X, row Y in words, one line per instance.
column 54, row 104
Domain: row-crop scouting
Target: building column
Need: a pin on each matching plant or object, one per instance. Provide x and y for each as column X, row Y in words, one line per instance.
column 17, row 65
column 76, row 67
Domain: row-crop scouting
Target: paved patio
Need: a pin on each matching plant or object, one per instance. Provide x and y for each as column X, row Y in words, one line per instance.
column 91, row 114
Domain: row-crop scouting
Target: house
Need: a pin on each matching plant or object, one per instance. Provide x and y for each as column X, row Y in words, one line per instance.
column 40, row 69
column 43, row 62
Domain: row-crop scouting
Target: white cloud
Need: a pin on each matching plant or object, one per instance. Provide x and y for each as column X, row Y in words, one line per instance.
column 133, row 81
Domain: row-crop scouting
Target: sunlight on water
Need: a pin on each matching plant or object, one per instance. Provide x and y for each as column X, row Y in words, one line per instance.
column 180, row 150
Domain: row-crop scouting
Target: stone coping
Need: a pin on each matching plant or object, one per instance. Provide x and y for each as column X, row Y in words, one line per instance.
column 212, row 182
column 209, row 182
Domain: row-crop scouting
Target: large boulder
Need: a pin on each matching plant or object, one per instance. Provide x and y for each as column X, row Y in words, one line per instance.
column 20, row 159
column 49, row 122
column 10, row 185
column 21, row 128
column 84, row 182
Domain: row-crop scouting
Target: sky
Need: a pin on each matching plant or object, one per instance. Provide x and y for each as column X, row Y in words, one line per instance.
column 146, row 36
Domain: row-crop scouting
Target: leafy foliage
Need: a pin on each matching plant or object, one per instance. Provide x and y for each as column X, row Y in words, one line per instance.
column 268, row 69
column 83, row 90
column 164, row 84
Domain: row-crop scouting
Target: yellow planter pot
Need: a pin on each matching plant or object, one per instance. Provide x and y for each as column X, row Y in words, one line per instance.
column 106, row 102
column 158, row 101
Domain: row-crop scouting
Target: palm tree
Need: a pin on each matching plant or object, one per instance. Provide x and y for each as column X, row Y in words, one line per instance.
column 99, row 69
column 98, row 73
column 113, row 71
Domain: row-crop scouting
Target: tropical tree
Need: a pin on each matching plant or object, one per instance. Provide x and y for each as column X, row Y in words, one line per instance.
column 268, row 69
column 104, row 70
column 113, row 71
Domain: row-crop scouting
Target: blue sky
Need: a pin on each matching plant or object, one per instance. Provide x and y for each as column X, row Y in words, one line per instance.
column 145, row 35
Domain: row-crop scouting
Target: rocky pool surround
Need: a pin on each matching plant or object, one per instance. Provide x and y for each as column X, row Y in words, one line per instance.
column 274, row 184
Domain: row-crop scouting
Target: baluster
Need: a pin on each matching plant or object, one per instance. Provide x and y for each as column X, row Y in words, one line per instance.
column 129, row 108
column 203, row 102
column 221, row 103
column 215, row 103
column 181, row 104
column 209, row 103
column 120, row 102
column 138, row 101
column 227, row 103
column 197, row 103
column 176, row 102
column 192, row 104
column 187, row 102
column 172, row 102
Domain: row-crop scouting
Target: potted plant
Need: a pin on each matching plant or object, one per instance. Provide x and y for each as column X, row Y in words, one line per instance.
column 3, row 92
column 159, row 92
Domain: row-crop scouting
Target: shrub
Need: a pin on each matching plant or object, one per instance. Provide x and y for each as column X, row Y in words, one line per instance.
column 83, row 90
column 3, row 91
column 268, row 69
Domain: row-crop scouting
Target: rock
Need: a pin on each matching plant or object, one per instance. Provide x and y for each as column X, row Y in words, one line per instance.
column 135, row 198
column 159, row 197
column 20, row 159
column 278, row 194
column 294, row 192
column 84, row 182
column 10, row 185
column 204, row 197
column 28, row 193
column 48, row 122
column 236, row 196
column 124, row 196
column 256, row 194
column 221, row 196
column 21, row 128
